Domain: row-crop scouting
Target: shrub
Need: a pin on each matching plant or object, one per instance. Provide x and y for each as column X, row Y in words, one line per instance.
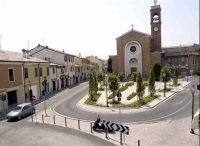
column 111, row 95
column 129, row 84
column 123, row 88
column 94, row 100
column 166, row 90
column 145, row 84
column 131, row 96
column 101, row 89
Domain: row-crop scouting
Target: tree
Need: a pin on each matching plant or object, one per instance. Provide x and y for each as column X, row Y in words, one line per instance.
column 100, row 77
column 156, row 70
column 121, row 76
column 175, row 80
column 95, row 83
column 113, row 84
column 151, row 83
column 167, row 75
column 109, row 69
column 134, row 76
column 140, row 87
column 91, row 86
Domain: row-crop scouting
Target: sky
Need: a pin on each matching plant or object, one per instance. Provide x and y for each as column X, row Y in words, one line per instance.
column 90, row 27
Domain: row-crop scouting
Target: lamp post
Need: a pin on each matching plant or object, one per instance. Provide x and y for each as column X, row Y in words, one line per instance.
column 106, row 79
column 187, row 71
column 44, row 84
column 164, row 75
column 192, row 89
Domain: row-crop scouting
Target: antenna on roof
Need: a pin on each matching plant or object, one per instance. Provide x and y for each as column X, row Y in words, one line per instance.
column 0, row 42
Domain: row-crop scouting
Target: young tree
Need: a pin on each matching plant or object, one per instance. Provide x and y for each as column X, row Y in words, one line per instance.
column 113, row 84
column 175, row 81
column 167, row 76
column 100, row 77
column 151, row 83
column 134, row 76
column 140, row 87
column 156, row 70
column 91, row 86
column 95, row 83
column 121, row 76
column 109, row 69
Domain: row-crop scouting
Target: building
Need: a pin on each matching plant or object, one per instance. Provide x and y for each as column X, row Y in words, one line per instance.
column 138, row 51
column 19, row 73
column 57, row 57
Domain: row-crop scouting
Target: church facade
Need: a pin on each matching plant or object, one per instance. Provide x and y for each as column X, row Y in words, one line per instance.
column 138, row 51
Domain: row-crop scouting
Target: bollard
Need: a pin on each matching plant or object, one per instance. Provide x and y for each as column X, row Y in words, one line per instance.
column 107, row 133
column 91, row 128
column 54, row 119
column 78, row 124
column 121, row 138
column 65, row 121
column 138, row 142
column 42, row 118
column 32, row 117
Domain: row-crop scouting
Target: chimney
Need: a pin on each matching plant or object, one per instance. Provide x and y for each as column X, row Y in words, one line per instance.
column 27, row 54
column 79, row 54
column 24, row 53
column 38, row 45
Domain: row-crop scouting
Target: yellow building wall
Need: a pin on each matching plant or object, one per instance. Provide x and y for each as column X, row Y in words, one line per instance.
column 36, row 81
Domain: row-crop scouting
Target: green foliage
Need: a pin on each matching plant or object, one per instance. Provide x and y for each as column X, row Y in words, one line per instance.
column 140, row 87
column 151, row 83
column 131, row 96
column 143, row 102
column 113, row 83
column 100, row 77
column 134, row 76
column 166, row 90
column 156, row 69
column 94, row 100
column 175, row 85
column 91, row 86
column 176, row 75
column 101, row 89
column 129, row 84
column 109, row 69
column 121, row 76
column 95, row 83
column 111, row 95
column 123, row 88
column 167, row 72
column 113, row 102
column 145, row 84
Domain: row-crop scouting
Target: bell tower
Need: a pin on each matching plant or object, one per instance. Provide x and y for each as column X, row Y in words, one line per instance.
column 155, row 28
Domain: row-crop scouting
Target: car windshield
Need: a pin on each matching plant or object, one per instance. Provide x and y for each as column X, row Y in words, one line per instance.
column 17, row 108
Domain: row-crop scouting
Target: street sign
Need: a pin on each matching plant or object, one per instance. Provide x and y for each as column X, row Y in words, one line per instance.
column 119, row 99
column 119, row 94
column 116, row 127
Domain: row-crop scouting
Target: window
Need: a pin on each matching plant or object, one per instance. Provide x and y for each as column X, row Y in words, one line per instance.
column 53, row 70
column 40, row 71
column 11, row 74
column 36, row 72
column 169, row 59
column 175, row 59
column 133, row 60
column 183, row 59
column 26, row 72
column 62, row 72
column 133, row 49
column 47, row 70
column 69, row 59
column 45, row 58
column 70, row 69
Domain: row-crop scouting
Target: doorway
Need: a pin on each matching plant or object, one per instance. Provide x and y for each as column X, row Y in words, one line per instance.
column 133, row 69
column 54, row 85
column 12, row 99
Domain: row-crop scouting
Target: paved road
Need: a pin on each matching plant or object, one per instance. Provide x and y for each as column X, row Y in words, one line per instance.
column 23, row 133
column 181, row 101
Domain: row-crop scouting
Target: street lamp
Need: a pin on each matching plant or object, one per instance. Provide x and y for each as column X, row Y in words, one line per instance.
column 192, row 89
column 164, row 75
column 106, row 80
column 44, row 84
column 187, row 71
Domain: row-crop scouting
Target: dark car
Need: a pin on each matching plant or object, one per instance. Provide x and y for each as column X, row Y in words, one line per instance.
column 20, row 111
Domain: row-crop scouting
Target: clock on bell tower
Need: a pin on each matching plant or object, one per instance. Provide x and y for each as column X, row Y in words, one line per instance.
column 156, row 28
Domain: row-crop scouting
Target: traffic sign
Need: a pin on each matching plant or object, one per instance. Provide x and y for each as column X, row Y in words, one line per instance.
column 116, row 127
column 119, row 94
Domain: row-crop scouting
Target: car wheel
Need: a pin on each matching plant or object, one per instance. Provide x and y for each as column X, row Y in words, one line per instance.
column 19, row 117
column 33, row 111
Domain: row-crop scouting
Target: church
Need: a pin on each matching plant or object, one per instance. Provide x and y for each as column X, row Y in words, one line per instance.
column 138, row 51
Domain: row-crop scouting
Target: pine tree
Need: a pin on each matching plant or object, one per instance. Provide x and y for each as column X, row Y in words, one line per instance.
column 95, row 83
column 109, row 69
column 151, row 83
column 175, row 81
column 100, row 77
column 113, row 84
column 140, row 87
column 91, row 86
column 156, row 70
column 167, row 75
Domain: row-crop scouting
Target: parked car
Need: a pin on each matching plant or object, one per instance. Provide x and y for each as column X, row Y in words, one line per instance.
column 20, row 111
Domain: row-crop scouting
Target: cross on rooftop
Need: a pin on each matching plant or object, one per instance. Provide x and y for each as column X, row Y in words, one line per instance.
column 132, row 26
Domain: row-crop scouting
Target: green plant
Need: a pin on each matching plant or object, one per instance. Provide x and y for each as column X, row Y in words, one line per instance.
column 123, row 88
column 113, row 102
column 101, row 89
column 151, row 83
column 166, row 90
column 111, row 95
column 100, row 77
column 91, row 86
column 131, row 96
column 175, row 80
column 156, row 69
column 145, row 84
column 140, row 87
column 175, row 85
column 113, row 83
column 109, row 69
column 129, row 84
column 95, row 83
column 134, row 76
column 94, row 100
